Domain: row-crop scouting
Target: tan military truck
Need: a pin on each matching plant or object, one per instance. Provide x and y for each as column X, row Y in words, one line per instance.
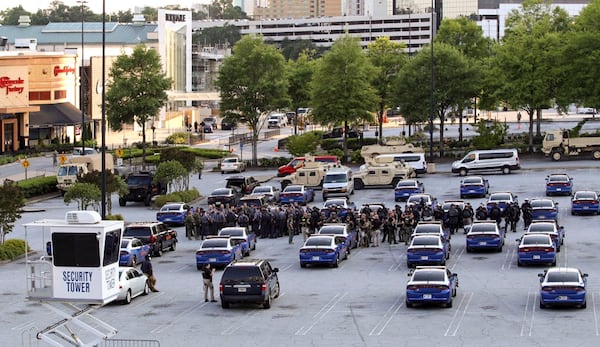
column 67, row 173
column 558, row 144
column 310, row 175
column 385, row 172
column 391, row 147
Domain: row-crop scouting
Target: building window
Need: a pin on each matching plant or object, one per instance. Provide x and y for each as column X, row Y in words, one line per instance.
column 37, row 96
column 60, row 94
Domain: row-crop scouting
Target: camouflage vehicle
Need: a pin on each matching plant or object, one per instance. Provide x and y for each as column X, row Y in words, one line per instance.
column 386, row 173
column 310, row 175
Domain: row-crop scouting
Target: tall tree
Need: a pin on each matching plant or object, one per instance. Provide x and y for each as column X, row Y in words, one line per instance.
column 114, row 184
column 226, row 35
column 299, row 75
column 529, row 59
column 252, row 81
column 342, row 92
column 136, row 90
column 10, row 16
column 453, row 84
column 388, row 58
column 12, row 201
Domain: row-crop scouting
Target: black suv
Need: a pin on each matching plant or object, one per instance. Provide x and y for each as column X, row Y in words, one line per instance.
column 155, row 234
column 141, row 188
column 249, row 281
column 242, row 184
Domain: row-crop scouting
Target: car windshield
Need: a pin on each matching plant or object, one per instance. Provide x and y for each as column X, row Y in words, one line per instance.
column 483, row 228
column 208, row 120
column 537, row 240
column 331, row 230
column 124, row 243
column 214, row 243
column 331, row 203
column 318, row 241
column 473, row 180
column 294, row 189
column 540, row 227
column 500, row 197
column 406, row 184
column 262, row 190
column 562, row 277
column 230, row 160
column 542, row 204
column 171, row 207
column 241, row 273
column 138, row 180
column 232, row 232
column 427, row 229
column 426, row 241
column 560, row 178
column 585, row 196
column 251, row 202
column 428, row 276
column 335, row 178
column 417, row 198
column 220, row 192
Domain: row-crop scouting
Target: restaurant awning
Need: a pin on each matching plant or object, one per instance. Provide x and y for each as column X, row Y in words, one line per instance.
column 56, row 114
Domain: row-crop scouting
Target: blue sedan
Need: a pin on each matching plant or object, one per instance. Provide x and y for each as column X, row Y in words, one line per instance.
column 173, row 213
column 247, row 240
column 431, row 284
column 563, row 287
column 544, row 209
column 427, row 249
column 474, row 186
column 296, row 193
column 585, row 202
column 559, row 184
column 405, row 188
column 536, row 249
column 218, row 251
column 323, row 249
column 133, row 251
column 485, row 236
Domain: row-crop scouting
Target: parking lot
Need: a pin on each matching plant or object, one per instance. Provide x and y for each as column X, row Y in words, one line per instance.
column 361, row 303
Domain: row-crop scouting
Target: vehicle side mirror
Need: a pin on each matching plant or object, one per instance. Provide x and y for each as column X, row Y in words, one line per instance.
column 454, row 275
column 585, row 275
column 518, row 240
column 541, row 275
column 275, row 269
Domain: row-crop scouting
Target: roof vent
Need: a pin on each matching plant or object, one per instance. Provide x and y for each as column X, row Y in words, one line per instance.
column 83, row 217
column 138, row 19
column 24, row 21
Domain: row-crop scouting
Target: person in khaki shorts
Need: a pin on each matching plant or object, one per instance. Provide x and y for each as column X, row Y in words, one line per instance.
column 207, row 276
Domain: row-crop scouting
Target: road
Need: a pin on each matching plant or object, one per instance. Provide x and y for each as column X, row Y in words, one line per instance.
column 361, row 303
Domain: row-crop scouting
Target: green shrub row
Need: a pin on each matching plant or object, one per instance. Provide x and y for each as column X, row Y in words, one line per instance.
column 38, row 186
column 353, row 143
column 274, row 162
column 182, row 196
column 12, row 248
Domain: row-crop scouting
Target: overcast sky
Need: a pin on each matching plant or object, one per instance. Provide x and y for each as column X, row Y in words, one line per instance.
column 96, row 5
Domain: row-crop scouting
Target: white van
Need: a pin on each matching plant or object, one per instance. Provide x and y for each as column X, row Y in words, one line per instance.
column 504, row 160
column 338, row 182
column 277, row 120
column 416, row 160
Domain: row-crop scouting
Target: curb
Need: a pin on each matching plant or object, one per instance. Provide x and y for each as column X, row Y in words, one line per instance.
column 19, row 257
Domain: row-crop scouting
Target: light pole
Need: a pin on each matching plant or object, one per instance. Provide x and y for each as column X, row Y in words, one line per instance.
column 431, row 96
column 103, row 137
column 81, row 86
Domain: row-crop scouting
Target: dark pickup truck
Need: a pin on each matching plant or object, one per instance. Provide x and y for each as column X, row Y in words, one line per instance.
column 141, row 188
column 155, row 234
column 338, row 133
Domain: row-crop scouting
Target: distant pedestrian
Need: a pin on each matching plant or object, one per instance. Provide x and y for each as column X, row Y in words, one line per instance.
column 147, row 269
column 207, row 276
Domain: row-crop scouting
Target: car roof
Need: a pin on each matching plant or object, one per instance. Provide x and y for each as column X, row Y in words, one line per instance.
column 563, row 269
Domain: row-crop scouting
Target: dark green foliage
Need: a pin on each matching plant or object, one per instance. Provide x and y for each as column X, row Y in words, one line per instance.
column 299, row 145
column 181, row 196
column 491, row 134
column 38, row 186
column 11, row 202
column 12, row 248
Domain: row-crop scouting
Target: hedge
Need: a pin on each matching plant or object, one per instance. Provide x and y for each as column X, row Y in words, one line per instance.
column 12, row 248
column 182, row 196
column 38, row 186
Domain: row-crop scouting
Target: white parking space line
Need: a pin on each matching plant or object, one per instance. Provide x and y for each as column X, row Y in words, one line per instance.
column 508, row 259
column 26, row 325
column 394, row 267
column 181, row 268
column 459, row 315
column 455, row 259
column 240, row 322
column 387, row 317
column 595, row 313
column 528, row 317
column 287, row 267
column 175, row 319
column 322, row 313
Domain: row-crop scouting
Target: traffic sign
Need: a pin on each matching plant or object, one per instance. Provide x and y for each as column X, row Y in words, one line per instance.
column 25, row 163
column 62, row 158
column 119, row 153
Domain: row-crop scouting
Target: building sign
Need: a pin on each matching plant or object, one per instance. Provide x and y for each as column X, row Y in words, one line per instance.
column 14, row 86
column 63, row 69
column 174, row 17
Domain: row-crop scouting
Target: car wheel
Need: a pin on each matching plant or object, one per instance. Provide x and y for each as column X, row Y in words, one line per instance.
column 133, row 261
column 409, row 304
column 267, row 303
column 596, row 155
column 519, row 263
column 463, row 171
column 222, row 172
column 122, row 202
column 542, row 305
column 499, row 249
column 224, row 304
column 462, row 196
column 469, row 250
column 556, row 155
column 584, row 305
column 337, row 261
column 553, row 263
column 127, row 299
column 302, row 265
column 173, row 246
column 159, row 250
column 449, row 304
column 277, row 292
column 506, row 170
column 146, row 289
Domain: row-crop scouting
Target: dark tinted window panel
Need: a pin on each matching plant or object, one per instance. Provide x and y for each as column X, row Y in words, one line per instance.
column 76, row 249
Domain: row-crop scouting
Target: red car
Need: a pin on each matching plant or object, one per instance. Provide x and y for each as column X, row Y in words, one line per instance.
column 298, row 162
